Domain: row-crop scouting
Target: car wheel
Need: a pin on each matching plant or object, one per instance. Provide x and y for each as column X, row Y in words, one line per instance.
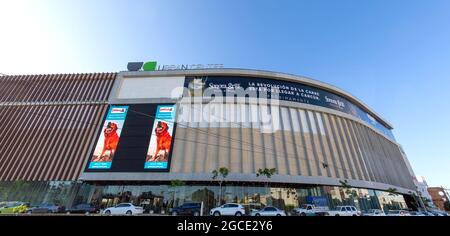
column 353, row 215
column 278, row 215
column 108, row 212
column 174, row 213
column 303, row 214
column 196, row 213
column 129, row 213
column 68, row 213
column 337, row 215
column 87, row 213
column 238, row 213
column 257, row 214
column 216, row 213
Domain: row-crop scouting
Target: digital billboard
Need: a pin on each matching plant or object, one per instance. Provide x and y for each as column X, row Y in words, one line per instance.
column 285, row 90
column 159, row 148
column 109, row 138
column 146, row 139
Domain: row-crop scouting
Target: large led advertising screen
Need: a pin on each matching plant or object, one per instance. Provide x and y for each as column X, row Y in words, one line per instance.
column 160, row 144
column 142, row 141
column 109, row 138
column 286, row 91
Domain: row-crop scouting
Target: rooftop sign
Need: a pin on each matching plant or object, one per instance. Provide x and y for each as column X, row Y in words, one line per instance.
column 152, row 66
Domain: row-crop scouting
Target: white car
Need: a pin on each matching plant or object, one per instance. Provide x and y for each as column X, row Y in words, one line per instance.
column 416, row 213
column 124, row 209
column 310, row 210
column 398, row 213
column 229, row 209
column 269, row 211
column 345, row 211
column 374, row 212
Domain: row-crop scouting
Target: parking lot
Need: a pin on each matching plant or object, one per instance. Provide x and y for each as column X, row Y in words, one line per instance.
column 15, row 208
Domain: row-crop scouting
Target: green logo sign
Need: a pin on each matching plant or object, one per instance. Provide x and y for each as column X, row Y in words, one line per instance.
column 136, row 66
column 149, row 66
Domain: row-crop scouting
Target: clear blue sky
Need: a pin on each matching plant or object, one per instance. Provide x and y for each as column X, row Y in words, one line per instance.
column 393, row 55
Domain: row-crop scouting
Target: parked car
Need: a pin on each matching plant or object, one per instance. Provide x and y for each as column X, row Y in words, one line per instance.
column 269, row 211
column 310, row 210
column 417, row 213
column 252, row 207
column 190, row 208
column 124, row 209
column 13, row 207
column 228, row 209
column 427, row 213
column 46, row 208
column 398, row 213
column 437, row 213
column 374, row 212
column 83, row 208
column 344, row 211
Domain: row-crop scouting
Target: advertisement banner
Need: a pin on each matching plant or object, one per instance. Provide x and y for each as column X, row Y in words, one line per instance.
column 284, row 90
column 109, row 138
column 160, row 145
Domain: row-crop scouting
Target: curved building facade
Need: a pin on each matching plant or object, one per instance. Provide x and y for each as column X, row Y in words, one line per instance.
column 107, row 138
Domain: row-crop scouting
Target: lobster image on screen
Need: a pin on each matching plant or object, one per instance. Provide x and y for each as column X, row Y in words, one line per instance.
column 163, row 142
column 110, row 143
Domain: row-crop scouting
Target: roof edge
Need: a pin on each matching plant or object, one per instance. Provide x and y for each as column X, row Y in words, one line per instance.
column 269, row 74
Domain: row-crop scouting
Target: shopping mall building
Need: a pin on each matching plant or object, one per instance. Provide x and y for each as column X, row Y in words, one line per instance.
column 106, row 138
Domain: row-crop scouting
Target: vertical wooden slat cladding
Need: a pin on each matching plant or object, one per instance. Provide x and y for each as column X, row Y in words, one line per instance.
column 72, row 133
column 47, row 123
column 65, row 169
column 89, row 135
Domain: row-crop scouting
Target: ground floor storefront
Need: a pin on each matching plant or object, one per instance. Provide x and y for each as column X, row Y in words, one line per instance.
column 160, row 197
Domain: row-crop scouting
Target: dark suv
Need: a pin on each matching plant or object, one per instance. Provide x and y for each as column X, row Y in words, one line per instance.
column 83, row 208
column 191, row 208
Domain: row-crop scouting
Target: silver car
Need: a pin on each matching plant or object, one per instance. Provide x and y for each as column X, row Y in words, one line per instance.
column 374, row 212
column 269, row 211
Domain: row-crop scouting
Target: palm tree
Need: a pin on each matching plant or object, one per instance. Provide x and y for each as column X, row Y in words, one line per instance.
column 348, row 189
column 174, row 184
column 222, row 174
column 266, row 173
column 345, row 185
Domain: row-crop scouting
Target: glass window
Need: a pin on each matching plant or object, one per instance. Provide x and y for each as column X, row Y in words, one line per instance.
column 342, row 208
